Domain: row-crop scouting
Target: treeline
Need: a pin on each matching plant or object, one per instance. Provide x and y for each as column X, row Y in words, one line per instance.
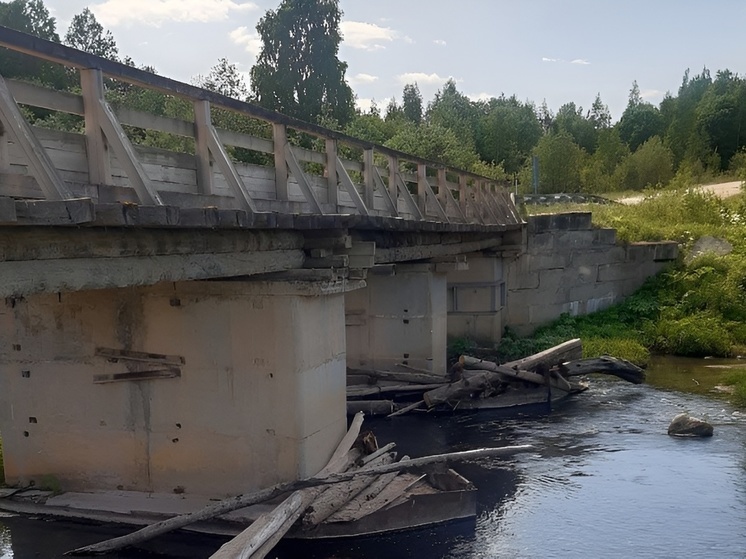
column 694, row 133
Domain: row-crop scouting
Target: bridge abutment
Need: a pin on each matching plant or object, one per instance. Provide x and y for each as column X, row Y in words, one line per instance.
column 401, row 317
column 212, row 388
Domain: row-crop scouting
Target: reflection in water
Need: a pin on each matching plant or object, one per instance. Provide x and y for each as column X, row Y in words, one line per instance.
column 5, row 550
column 604, row 480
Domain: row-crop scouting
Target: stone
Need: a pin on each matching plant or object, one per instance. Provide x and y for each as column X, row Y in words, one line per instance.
column 684, row 425
column 719, row 247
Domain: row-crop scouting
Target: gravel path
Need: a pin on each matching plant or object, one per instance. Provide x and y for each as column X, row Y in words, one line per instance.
column 723, row 190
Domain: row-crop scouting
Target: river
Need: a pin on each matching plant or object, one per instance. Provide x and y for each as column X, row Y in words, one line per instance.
column 604, row 481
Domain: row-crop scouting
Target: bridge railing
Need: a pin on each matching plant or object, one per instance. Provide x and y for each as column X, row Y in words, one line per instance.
column 331, row 173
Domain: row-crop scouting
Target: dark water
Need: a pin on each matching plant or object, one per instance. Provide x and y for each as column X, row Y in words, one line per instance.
column 605, row 481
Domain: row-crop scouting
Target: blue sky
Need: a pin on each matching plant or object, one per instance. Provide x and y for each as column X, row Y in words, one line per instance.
column 556, row 50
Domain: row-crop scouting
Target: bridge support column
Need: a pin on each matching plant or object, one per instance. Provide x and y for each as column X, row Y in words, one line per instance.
column 211, row 388
column 399, row 318
column 476, row 299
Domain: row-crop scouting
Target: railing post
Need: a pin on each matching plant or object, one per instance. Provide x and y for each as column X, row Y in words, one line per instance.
column 393, row 173
column 463, row 193
column 202, row 122
column 422, row 188
column 331, row 174
column 442, row 186
column 279, row 134
column 369, row 186
column 99, row 162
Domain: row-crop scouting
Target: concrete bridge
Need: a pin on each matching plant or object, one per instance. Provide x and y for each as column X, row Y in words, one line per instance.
column 182, row 321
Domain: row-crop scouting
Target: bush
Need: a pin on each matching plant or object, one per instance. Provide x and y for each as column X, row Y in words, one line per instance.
column 697, row 335
column 624, row 348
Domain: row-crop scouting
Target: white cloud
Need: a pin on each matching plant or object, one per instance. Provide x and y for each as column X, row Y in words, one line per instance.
column 580, row 61
column 480, row 96
column 365, row 104
column 651, row 94
column 545, row 59
column 409, row 40
column 249, row 41
column 366, row 36
column 363, row 78
column 112, row 13
column 421, row 78
column 440, row 42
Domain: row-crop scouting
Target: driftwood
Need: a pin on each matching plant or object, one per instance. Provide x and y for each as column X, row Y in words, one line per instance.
column 566, row 351
column 417, row 376
column 362, row 391
column 407, row 409
column 607, row 365
column 337, row 462
column 370, row 407
column 528, row 376
column 266, row 494
column 338, row 495
column 464, row 388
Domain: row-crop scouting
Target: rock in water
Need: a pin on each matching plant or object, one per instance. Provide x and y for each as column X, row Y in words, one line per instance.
column 684, row 425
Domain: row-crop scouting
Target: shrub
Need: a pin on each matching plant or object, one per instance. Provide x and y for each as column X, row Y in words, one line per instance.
column 624, row 348
column 696, row 335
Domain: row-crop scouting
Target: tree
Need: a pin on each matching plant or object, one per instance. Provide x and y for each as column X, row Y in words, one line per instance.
column 640, row 120
column 30, row 16
column 508, row 132
column 86, row 33
column 583, row 131
column 298, row 71
column 224, row 78
column 435, row 143
column 599, row 114
column 560, row 163
column 412, row 103
column 453, row 110
column 650, row 165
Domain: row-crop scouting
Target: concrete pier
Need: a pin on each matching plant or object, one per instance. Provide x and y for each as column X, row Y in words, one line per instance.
column 204, row 387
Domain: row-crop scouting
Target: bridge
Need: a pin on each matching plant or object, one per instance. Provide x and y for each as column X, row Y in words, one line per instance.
column 182, row 321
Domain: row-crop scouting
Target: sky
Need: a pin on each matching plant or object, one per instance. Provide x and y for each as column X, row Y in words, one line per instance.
column 554, row 50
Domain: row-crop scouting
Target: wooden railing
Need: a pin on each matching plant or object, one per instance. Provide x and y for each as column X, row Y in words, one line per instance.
column 104, row 163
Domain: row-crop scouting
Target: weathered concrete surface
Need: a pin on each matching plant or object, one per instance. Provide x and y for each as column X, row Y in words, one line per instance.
column 569, row 267
column 260, row 397
column 476, row 298
column 399, row 318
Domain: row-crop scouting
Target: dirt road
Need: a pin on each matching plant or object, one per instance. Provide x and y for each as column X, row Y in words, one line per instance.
column 723, row 190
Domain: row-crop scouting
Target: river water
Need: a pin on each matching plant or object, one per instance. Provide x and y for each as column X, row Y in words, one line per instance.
column 604, row 481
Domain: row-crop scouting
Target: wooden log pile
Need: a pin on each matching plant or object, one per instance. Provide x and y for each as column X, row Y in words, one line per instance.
column 553, row 371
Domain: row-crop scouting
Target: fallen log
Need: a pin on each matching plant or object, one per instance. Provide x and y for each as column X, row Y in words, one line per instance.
column 463, row 388
column 528, row 376
column 370, row 407
column 406, row 409
column 338, row 495
column 338, row 462
column 417, row 376
column 566, row 351
column 362, row 391
column 605, row 364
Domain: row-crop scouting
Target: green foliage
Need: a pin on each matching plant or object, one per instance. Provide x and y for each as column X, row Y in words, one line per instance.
column 570, row 120
column 650, row 165
column 560, row 161
column 87, row 34
column 624, row 348
column 412, row 103
column 737, row 380
column 452, row 110
column 435, row 143
column 298, row 71
column 699, row 334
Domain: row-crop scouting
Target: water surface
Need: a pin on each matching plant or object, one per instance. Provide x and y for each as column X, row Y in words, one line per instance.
column 604, row 481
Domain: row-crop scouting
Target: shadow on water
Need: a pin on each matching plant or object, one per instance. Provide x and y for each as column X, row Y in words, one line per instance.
column 604, row 480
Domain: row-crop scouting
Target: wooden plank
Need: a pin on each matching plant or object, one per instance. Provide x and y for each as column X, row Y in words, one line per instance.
column 331, row 174
column 99, row 163
column 430, row 195
column 40, row 165
column 238, row 187
column 350, row 188
column 42, row 97
column 16, row 185
column 246, row 141
column 7, row 210
column 389, row 202
column 202, row 122
column 444, row 190
column 150, row 121
column 414, row 208
column 368, row 184
column 302, row 154
column 55, row 212
column 279, row 134
column 300, row 176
